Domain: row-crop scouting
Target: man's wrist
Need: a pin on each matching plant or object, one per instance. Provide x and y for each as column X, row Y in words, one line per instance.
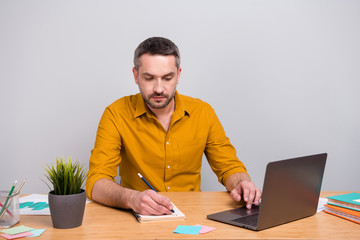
column 130, row 198
column 235, row 179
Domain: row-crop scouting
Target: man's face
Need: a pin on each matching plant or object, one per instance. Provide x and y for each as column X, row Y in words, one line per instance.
column 157, row 78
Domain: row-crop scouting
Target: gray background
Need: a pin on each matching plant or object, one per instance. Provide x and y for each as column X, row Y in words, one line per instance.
column 283, row 77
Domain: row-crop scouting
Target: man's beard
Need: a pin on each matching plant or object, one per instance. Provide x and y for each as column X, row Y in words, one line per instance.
column 156, row 105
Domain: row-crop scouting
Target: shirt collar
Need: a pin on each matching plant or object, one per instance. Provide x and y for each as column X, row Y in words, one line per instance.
column 141, row 108
column 180, row 108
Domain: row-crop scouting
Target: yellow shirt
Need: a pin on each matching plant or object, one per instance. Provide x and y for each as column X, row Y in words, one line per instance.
column 130, row 138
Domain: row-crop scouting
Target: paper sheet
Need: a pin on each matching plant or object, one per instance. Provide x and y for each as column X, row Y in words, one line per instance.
column 321, row 203
column 34, row 201
column 36, row 204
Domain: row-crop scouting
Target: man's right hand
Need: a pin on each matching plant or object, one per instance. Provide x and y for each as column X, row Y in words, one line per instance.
column 150, row 202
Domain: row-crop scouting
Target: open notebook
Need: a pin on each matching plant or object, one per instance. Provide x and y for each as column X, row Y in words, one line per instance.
column 177, row 215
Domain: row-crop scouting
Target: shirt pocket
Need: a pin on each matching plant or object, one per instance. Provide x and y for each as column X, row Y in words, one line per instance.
column 190, row 155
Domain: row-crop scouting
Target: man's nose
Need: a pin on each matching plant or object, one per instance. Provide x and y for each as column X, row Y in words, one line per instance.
column 158, row 86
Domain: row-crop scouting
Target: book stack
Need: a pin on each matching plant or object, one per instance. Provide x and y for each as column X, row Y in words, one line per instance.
column 346, row 206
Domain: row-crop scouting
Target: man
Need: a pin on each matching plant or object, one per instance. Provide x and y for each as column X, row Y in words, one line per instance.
column 162, row 135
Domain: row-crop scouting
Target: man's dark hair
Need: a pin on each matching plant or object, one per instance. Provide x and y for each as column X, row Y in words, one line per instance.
column 156, row 46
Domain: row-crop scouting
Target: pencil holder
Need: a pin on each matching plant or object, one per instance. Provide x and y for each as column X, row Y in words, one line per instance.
column 9, row 209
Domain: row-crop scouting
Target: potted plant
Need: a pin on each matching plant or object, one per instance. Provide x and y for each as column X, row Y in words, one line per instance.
column 66, row 197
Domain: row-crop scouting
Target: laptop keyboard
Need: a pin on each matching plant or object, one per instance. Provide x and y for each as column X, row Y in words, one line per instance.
column 248, row 220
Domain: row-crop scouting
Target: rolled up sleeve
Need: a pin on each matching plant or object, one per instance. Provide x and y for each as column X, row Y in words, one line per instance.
column 105, row 157
column 219, row 152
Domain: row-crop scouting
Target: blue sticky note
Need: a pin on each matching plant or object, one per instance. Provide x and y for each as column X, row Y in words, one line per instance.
column 37, row 232
column 184, row 229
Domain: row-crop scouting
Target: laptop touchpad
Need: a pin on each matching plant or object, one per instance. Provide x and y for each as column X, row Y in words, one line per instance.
column 243, row 211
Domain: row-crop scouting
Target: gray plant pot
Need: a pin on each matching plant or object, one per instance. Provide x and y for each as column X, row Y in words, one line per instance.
column 67, row 211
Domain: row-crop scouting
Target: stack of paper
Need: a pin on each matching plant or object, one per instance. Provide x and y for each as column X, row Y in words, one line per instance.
column 21, row 231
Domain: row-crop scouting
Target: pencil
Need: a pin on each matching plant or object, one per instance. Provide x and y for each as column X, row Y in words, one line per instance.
column 21, row 185
column 7, row 210
column 150, row 186
column 7, row 199
column 146, row 182
column 6, row 207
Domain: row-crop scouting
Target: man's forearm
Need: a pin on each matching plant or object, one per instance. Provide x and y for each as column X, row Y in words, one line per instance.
column 111, row 194
column 235, row 179
column 146, row 202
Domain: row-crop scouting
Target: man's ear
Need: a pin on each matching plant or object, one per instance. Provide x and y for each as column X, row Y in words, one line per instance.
column 136, row 75
column 178, row 75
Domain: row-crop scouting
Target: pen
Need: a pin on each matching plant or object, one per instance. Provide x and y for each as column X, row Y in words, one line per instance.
column 149, row 185
column 7, row 199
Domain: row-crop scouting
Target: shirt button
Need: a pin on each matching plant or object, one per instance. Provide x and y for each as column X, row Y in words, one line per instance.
column 168, row 166
column 167, row 143
column 168, row 187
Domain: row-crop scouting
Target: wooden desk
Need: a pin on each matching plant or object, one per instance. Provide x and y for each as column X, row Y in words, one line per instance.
column 102, row 222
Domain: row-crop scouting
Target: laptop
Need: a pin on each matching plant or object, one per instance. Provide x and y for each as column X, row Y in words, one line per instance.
column 290, row 192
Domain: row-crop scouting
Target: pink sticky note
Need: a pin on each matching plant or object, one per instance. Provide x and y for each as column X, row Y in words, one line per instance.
column 205, row 229
column 19, row 235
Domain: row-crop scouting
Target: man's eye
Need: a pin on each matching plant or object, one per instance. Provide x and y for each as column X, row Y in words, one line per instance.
column 148, row 78
column 168, row 78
